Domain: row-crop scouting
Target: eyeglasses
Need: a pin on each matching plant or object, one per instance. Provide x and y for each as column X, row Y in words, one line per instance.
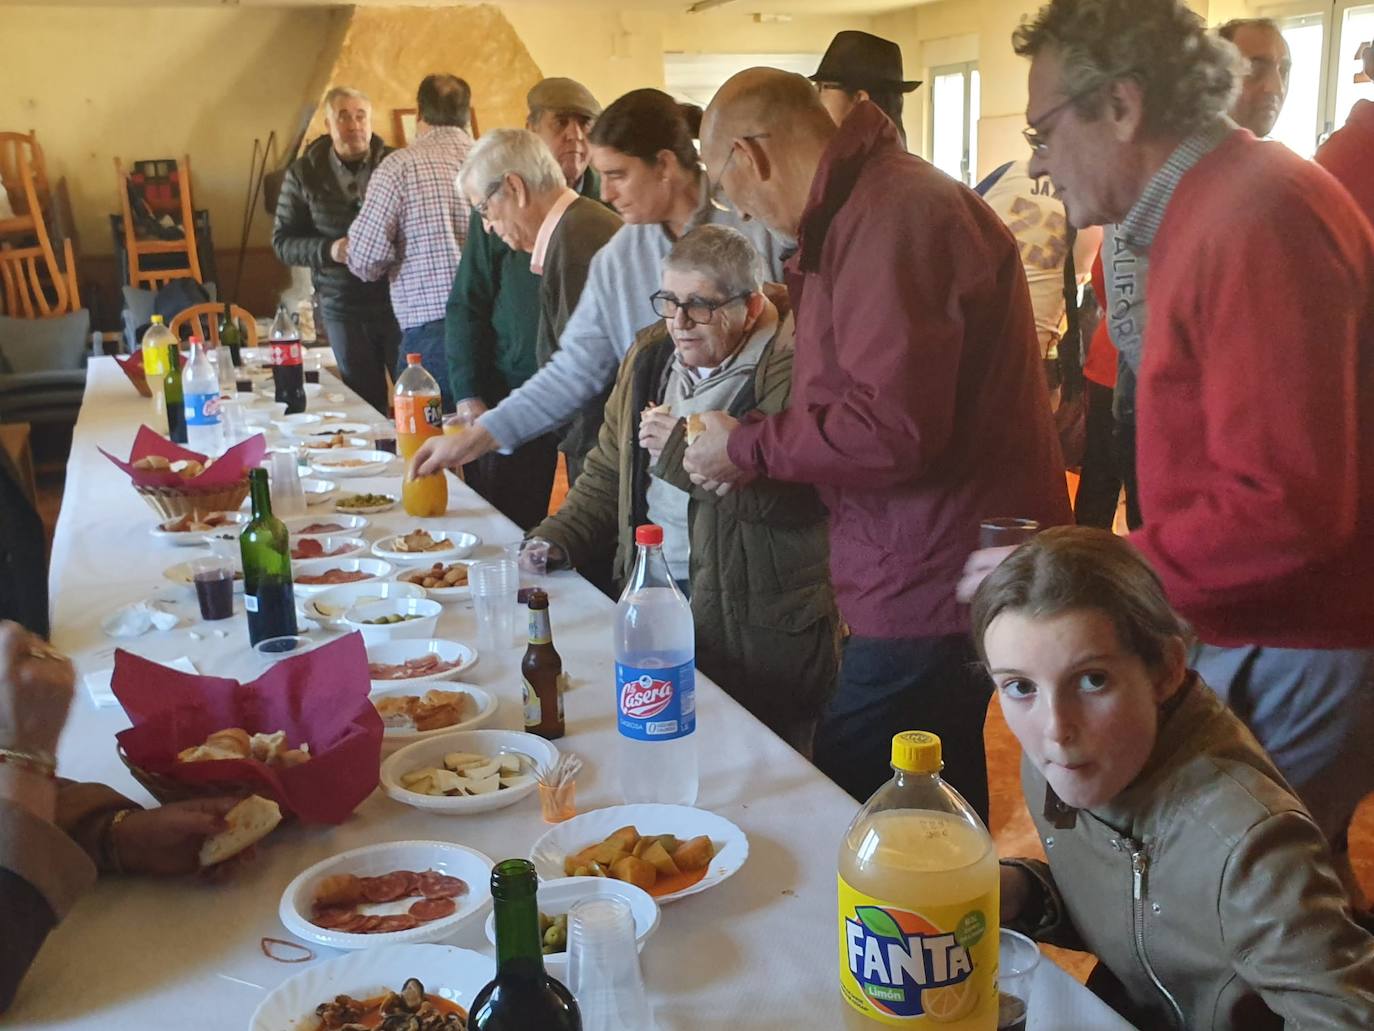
column 481, row 208
column 715, row 187
column 699, row 312
column 1037, row 136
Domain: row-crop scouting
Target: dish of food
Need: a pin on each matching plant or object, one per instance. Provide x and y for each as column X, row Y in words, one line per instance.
column 482, row 756
column 438, row 576
column 603, row 842
column 314, row 575
column 325, row 525
column 186, row 468
column 408, row 715
column 326, row 547
column 331, row 605
column 415, row 660
column 468, row 773
column 452, row 974
column 365, row 504
column 344, row 902
column 237, row 743
column 350, row 462
column 412, row 1008
column 192, row 530
column 420, row 540
column 333, row 576
column 419, row 545
column 333, row 441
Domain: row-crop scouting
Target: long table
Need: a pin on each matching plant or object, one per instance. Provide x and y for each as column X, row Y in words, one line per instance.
column 756, row 952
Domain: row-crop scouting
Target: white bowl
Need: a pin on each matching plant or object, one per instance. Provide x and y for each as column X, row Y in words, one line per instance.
column 261, row 412
column 325, row 429
column 375, row 569
column 394, row 737
column 330, row 607
column 557, row 897
column 347, row 524
column 431, row 752
column 366, row 509
column 315, row 446
column 334, row 545
column 373, row 462
column 394, row 653
column 439, row 594
column 193, row 538
column 471, row 866
column 563, row 839
column 292, row 424
column 423, row 612
column 462, row 545
column 457, row 975
column 317, row 491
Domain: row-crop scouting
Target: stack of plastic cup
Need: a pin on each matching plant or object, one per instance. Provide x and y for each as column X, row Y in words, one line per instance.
column 603, row 967
column 494, row 585
column 288, row 496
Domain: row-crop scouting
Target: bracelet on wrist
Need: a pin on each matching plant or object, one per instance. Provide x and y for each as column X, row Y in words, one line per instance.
column 40, row 763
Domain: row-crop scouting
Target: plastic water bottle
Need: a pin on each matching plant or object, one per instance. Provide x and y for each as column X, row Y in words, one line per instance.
column 200, row 394
column 655, row 681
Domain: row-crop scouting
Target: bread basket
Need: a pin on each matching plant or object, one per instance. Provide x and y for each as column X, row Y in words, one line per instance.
column 166, row 789
column 173, row 502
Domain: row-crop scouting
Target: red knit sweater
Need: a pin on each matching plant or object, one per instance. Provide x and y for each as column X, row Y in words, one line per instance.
column 1256, row 403
column 1349, row 156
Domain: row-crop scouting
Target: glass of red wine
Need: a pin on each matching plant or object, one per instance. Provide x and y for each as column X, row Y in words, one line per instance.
column 214, row 581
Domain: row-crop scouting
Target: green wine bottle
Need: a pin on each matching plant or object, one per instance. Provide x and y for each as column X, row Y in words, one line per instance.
column 523, row 997
column 268, row 595
column 231, row 336
column 172, row 394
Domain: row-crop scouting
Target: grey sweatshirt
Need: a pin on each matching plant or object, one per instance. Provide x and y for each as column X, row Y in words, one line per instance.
column 614, row 307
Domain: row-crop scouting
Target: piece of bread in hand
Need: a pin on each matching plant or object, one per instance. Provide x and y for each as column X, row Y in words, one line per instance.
column 696, row 426
column 248, row 823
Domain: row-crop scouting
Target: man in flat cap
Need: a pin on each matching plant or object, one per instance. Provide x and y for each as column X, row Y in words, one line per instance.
column 860, row 66
column 492, row 321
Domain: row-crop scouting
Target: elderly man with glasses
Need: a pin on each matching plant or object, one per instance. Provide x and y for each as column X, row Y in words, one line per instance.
column 753, row 561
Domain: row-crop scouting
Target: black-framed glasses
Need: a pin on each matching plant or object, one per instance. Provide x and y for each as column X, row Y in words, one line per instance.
column 1037, row 136
column 698, row 310
column 485, row 202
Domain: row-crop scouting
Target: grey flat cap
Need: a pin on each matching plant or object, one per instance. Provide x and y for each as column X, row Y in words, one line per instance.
column 559, row 94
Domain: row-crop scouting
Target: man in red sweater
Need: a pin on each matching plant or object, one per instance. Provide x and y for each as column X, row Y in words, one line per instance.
column 919, row 405
column 1349, row 153
column 1256, row 397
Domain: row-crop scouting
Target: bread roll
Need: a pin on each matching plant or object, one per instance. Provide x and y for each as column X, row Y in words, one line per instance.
column 233, row 743
column 248, row 823
column 696, row 426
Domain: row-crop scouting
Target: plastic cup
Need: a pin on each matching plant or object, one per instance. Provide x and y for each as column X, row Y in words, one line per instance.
column 272, row 650
column 494, row 585
column 457, row 423
column 288, row 497
column 1006, row 533
column 558, row 804
column 603, row 966
column 214, row 581
column 1017, row 959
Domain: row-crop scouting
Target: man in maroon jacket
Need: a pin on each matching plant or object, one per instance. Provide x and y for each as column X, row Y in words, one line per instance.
column 1349, row 153
column 919, row 406
column 1256, row 394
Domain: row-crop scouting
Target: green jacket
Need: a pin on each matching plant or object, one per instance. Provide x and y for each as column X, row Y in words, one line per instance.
column 767, row 630
column 491, row 325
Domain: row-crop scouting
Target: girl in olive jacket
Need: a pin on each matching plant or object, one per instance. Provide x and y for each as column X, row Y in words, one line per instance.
column 1176, row 852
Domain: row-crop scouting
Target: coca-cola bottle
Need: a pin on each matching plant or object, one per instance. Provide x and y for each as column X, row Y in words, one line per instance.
column 288, row 370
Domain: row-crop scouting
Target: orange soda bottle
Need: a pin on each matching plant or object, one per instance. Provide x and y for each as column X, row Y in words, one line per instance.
column 419, row 413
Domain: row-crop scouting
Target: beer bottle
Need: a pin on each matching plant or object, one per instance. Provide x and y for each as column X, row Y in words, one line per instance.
column 268, row 596
column 523, row 997
column 541, row 672
column 171, row 390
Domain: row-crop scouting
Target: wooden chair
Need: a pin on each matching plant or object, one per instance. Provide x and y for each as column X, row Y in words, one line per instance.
column 203, row 320
column 33, row 282
column 151, row 278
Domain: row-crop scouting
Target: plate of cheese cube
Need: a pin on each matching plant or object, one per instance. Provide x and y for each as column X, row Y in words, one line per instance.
column 469, row 771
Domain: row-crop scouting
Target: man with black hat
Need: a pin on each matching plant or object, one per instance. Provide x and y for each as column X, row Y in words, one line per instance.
column 492, row 320
column 859, row 66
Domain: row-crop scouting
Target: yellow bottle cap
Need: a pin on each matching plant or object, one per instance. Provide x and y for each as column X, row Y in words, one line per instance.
column 916, row 751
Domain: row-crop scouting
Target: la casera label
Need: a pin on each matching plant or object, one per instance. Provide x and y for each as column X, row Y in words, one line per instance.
column 656, row 704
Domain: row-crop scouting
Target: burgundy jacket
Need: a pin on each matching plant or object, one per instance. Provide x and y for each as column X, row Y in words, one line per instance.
column 919, row 404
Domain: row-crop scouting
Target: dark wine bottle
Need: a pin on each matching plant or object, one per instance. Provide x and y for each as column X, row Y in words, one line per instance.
column 268, row 596
column 523, row 997
column 172, row 394
column 231, row 336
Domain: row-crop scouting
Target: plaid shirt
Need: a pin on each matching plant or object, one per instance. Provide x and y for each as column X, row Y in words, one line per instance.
column 414, row 223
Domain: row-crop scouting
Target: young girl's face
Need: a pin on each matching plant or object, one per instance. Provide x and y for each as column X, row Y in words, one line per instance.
column 1085, row 709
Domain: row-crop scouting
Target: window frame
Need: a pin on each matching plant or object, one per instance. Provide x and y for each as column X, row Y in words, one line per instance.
column 970, row 75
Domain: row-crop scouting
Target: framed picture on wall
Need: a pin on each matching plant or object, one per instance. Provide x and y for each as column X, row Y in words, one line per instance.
column 405, row 125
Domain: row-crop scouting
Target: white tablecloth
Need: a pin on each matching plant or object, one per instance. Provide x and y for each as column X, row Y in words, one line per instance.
column 757, row 952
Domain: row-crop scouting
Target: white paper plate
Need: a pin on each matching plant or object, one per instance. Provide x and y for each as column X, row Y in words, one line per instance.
column 318, row 491
column 463, row 545
column 375, row 568
column 563, row 839
column 393, row 653
column 293, row 424
column 330, row 606
column 374, row 462
column 448, row 972
column 439, row 594
column 372, row 860
column 556, row 898
column 320, row 450
column 181, row 574
column 492, row 743
column 366, row 509
column 349, row 525
column 194, row 538
column 325, row 429
column 397, row 737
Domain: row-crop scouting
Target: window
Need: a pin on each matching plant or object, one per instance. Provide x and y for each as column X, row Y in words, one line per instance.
column 1325, row 37
column 954, row 113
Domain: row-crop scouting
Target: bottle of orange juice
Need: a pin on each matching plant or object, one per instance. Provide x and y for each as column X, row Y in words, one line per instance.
column 419, row 413
column 918, row 903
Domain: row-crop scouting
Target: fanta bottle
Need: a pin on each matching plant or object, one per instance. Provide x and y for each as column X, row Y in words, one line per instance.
column 419, row 415
column 918, row 903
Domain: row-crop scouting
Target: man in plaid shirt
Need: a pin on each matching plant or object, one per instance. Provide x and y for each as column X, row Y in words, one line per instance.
column 414, row 222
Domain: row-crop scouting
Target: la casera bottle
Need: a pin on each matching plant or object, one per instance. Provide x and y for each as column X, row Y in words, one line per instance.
column 268, row 596
column 523, row 997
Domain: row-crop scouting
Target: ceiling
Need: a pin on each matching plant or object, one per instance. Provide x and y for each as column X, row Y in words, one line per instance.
column 666, row 6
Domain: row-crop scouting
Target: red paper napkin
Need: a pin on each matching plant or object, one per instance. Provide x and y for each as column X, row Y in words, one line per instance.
column 319, row 698
column 227, row 470
column 132, row 366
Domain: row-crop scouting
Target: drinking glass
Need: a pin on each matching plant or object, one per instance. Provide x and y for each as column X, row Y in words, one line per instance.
column 1018, row 957
column 214, row 581
column 495, row 584
column 603, row 966
column 288, row 497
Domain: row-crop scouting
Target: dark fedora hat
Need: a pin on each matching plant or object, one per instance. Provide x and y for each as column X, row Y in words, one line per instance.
column 863, row 61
